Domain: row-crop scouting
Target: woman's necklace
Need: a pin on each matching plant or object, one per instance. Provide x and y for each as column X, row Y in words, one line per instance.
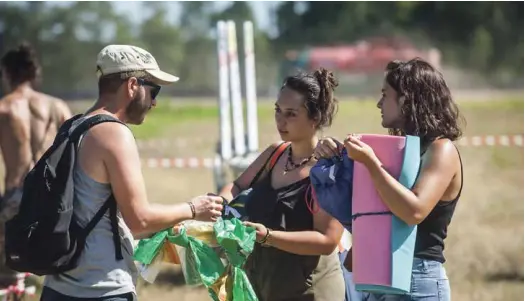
column 290, row 165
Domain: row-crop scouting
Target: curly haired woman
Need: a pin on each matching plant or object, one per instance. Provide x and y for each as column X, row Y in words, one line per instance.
column 417, row 101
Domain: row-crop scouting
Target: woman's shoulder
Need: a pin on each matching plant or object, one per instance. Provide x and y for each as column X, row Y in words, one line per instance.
column 270, row 150
column 442, row 150
column 273, row 147
column 443, row 145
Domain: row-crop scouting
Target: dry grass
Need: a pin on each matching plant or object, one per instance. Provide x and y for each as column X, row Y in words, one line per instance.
column 485, row 244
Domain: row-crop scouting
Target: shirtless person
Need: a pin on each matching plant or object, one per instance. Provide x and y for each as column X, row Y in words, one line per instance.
column 28, row 124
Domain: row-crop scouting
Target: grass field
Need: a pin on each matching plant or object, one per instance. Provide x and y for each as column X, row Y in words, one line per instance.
column 485, row 246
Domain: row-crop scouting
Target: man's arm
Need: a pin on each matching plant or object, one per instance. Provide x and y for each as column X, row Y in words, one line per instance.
column 62, row 112
column 123, row 166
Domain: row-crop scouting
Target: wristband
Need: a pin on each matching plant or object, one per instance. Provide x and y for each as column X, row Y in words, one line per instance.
column 193, row 212
column 265, row 238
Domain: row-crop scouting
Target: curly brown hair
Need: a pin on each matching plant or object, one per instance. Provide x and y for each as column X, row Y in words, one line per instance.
column 428, row 109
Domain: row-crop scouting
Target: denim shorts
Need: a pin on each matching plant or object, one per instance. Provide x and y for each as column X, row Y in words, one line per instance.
column 52, row 295
column 429, row 283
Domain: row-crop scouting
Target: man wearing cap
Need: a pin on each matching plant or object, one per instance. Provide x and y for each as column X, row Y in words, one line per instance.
column 108, row 162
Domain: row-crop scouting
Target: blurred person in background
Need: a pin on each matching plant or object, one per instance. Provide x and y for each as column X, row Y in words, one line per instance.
column 296, row 254
column 29, row 121
column 417, row 101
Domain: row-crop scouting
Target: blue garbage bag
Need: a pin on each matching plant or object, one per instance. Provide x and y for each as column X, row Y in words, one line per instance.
column 332, row 181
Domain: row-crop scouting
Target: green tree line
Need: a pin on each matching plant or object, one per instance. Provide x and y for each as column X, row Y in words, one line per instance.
column 482, row 37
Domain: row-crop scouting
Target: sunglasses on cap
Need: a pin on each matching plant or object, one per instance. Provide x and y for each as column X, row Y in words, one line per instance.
column 155, row 88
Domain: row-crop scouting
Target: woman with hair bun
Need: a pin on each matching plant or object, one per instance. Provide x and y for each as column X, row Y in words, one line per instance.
column 296, row 254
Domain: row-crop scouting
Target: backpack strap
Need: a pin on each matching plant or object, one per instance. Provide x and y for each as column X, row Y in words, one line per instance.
column 68, row 123
column 98, row 216
column 272, row 160
column 110, row 204
column 91, row 122
column 114, row 227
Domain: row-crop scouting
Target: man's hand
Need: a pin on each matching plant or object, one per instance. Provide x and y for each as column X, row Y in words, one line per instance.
column 207, row 207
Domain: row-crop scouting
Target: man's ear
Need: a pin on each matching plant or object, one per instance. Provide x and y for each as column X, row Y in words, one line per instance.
column 132, row 87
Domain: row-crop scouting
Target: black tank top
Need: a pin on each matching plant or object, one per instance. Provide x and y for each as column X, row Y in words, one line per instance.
column 284, row 208
column 277, row 275
column 431, row 233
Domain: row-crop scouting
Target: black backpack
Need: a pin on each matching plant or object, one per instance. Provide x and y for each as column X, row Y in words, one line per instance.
column 44, row 238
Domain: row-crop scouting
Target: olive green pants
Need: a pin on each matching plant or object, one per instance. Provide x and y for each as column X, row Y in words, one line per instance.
column 281, row 276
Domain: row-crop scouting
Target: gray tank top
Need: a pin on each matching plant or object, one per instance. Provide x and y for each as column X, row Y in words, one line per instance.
column 98, row 274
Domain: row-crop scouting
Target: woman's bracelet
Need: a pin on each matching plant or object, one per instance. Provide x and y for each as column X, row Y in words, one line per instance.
column 265, row 238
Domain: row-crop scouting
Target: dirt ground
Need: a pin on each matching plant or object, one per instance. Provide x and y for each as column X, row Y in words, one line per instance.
column 485, row 245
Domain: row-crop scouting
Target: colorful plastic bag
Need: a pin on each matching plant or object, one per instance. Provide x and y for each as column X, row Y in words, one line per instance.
column 237, row 242
column 148, row 254
column 201, row 261
column 152, row 253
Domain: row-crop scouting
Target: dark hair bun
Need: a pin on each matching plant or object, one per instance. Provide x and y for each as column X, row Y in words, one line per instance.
column 326, row 79
column 327, row 102
column 26, row 52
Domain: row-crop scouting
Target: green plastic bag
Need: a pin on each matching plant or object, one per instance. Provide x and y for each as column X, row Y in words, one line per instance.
column 202, row 264
column 148, row 248
column 237, row 242
column 149, row 256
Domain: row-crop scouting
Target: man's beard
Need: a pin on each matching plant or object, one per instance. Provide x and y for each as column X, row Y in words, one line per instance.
column 137, row 109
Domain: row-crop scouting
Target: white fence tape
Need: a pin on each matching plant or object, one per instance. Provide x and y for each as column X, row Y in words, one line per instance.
column 208, row 163
column 487, row 140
